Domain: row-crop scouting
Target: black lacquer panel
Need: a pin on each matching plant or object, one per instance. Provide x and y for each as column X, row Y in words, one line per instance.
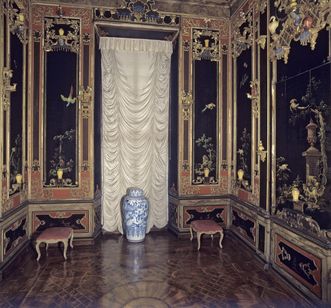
column 86, row 66
column 261, row 238
column 12, row 236
column 16, row 109
column 173, row 120
column 307, row 74
column 224, row 105
column 73, row 221
column 244, row 113
column 5, row 43
column 264, row 124
column 97, row 118
column 186, row 141
column 85, row 139
column 205, row 119
column 36, row 80
column 302, row 58
column 27, row 91
column 4, row 136
column 60, row 115
column 297, row 262
column 186, row 70
column 245, row 224
column 215, row 215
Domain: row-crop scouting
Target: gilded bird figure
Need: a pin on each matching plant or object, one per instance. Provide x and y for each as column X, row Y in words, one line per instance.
column 294, row 105
column 209, row 106
column 69, row 100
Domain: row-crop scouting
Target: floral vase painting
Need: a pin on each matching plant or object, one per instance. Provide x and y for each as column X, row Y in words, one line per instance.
column 135, row 209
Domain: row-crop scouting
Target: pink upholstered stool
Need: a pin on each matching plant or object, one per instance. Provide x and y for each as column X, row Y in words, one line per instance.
column 55, row 235
column 207, row 227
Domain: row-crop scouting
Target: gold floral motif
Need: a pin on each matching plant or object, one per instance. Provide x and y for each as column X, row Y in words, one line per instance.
column 242, row 33
column 297, row 21
column 254, row 96
column 205, row 44
column 62, row 34
column 136, row 11
column 7, row 75
column 16, row 11
column 187, row 101
column 85, row 99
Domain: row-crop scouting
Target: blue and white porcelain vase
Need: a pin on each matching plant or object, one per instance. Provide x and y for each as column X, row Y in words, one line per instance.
column 135, row 209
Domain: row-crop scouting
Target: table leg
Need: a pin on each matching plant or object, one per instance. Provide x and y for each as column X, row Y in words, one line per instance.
column 191, row 233
column 65, row 244
column 199, row 238
column 71, row 239
column 221, row 238
column 38, row 250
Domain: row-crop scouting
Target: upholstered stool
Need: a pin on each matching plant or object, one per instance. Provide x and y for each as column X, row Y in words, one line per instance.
column 207, row 227
column 55, row 235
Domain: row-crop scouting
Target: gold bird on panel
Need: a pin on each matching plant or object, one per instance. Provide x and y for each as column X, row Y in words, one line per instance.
column 69, row 100
column 209, row 106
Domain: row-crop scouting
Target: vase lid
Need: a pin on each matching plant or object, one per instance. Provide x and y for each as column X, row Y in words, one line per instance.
column 135, row 192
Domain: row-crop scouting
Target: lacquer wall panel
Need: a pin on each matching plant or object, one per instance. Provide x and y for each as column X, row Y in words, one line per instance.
column 202, row 165
column 62, row 98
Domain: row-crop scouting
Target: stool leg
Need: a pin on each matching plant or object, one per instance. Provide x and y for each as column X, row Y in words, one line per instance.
column 212, row 236
column 38, row 250
column 191, row 234
column 71, row 239
column 65, row 244
column 46, row 246
column 221, row 238
column 199, row 238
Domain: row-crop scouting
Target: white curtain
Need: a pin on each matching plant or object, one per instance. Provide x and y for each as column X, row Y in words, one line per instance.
column 135, row 100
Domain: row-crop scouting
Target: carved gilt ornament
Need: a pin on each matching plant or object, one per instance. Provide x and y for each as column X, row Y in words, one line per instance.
column 62, row 34
column 17, row 18
column 7, row 75
column 297, row 21
column 187, row 101
column 85, row 98
column 136, row 11
column 206, row 45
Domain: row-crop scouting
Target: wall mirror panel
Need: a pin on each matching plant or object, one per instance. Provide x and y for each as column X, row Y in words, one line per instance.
column 61, row 65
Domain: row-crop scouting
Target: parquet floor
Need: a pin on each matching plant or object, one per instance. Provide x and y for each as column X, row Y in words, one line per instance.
column 163, row 271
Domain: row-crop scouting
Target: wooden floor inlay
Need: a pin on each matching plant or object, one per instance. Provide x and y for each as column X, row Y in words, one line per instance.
column 163, row 271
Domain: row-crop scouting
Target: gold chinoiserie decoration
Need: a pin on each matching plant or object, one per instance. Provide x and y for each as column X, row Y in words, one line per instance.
column 296, row 21
column 85, row 99
column 205, row 45
column 187, row 101
column 7, row 87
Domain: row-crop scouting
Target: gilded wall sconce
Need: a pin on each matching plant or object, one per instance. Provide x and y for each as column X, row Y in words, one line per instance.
column 261, row 151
